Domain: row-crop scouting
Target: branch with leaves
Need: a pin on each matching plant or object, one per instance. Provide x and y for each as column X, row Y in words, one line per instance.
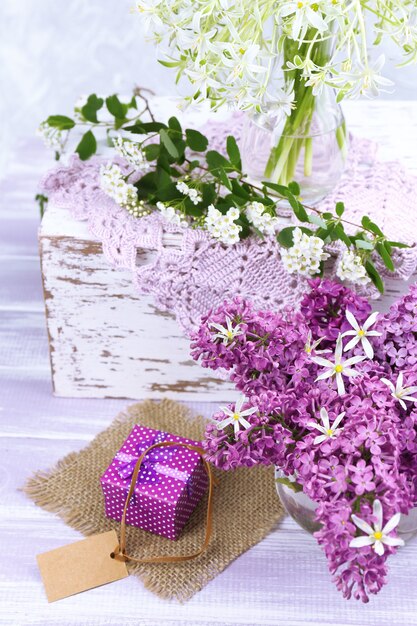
column 173, row 171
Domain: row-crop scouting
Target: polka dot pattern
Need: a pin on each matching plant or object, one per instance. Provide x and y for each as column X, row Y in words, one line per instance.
column 166, row 491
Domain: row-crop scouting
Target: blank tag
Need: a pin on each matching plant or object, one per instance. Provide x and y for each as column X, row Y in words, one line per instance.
column 80, row 566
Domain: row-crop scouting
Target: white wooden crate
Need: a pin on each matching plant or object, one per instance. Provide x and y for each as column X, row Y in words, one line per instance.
column 106, row 340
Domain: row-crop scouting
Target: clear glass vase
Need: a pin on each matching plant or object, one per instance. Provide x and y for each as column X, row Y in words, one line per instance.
column 310, row 144
column 302, row 509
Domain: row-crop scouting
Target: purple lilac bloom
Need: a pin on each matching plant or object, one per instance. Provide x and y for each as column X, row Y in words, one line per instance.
column 371, row 455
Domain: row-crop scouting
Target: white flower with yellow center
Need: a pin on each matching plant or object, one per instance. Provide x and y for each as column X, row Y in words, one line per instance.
column 399, row 392
column 328, row 432
column 361, row 333
column 237, row 417
column 226, row 333
column 338, row 368
column 304, row 14
column 311, row 347
column 377, row 535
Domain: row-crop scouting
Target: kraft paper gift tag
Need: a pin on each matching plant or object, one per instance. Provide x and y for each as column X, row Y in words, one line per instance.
column 80, row 566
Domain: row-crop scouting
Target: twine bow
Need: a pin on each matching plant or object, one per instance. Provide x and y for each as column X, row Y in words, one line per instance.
column 119, row 552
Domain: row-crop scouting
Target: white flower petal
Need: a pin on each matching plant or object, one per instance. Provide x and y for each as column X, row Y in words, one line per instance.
column 352, row 320
column 323, row 362
column 379, row 547
column 338, row 420
column 370, row 321
column 239, row 403
column 338, row 350
column 320, row 439
column 250, row 411
column 244, row 423
column 350, row 333
column 325, row 375
column 221, row 425
column 324, row 416
column 393, row 541
column 340, row 384
column 369, row 351
column 400, row 381
column 377, row 512
column 388, row 383
column 360, row 542
column 391, row 524
column 352, row 343
column 360, row 523
column 353, row 360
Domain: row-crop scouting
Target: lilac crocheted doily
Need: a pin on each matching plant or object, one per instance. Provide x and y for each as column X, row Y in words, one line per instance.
column 190, row 277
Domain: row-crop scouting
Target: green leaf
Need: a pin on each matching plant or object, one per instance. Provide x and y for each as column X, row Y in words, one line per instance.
column 42, row 201
column 364, row 245
column 340, row 209
column 115, row 107
column 61, row 122
column 215, row 159
column 224, row 178
column 151, row 151
column 145, row 128
column 174, row 124
column 146, row 185
column 240, row 191
column 316, row 219
column 299, row 211
column 340, row 234
column 285, row 237
column 294, row 187
column 280, row 189
column 168, row 143
column 89, row 110
column 374, row 276
column 233, row 152
column 196, row 141
column 87, row 146
column 385, row 256
column 398, row 244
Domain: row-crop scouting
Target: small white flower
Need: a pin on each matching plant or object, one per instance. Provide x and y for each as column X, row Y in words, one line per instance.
column 361, row 333
column 376, row 536
column 52, row 137
column 237, row 417
column 305, row 255
column 351, row 268
column 312, row 347
column 366, row 79
column 328, row 432
column 193, row 194
column 171, row 215
column 263, row 221
column 304, row 14
column 338, row 367
column 132, row 152
column 222, row 226
column 226, row 333
column 399, row 392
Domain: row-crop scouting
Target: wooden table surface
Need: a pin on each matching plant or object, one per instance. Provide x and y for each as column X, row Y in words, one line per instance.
column 282, row 581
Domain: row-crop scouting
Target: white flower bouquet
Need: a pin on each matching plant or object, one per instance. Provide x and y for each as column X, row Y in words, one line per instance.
column 279, row 56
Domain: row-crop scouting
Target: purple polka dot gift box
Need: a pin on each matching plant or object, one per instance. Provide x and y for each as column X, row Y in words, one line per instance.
column 170, row 483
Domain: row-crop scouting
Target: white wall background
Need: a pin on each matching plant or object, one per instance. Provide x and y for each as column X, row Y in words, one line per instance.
column 52, row 51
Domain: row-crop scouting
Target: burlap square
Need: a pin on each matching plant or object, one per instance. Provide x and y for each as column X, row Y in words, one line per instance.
column 246, row 506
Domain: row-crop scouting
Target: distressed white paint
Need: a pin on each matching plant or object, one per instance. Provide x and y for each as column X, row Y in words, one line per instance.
column 105, row 339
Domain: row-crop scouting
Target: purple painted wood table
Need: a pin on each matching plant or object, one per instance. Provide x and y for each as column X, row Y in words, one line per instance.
column 282, row 581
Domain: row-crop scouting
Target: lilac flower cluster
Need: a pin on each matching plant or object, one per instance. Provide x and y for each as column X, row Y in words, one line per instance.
column 344, row 426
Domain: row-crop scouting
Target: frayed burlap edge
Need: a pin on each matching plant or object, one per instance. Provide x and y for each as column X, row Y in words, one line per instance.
column 246, row 507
